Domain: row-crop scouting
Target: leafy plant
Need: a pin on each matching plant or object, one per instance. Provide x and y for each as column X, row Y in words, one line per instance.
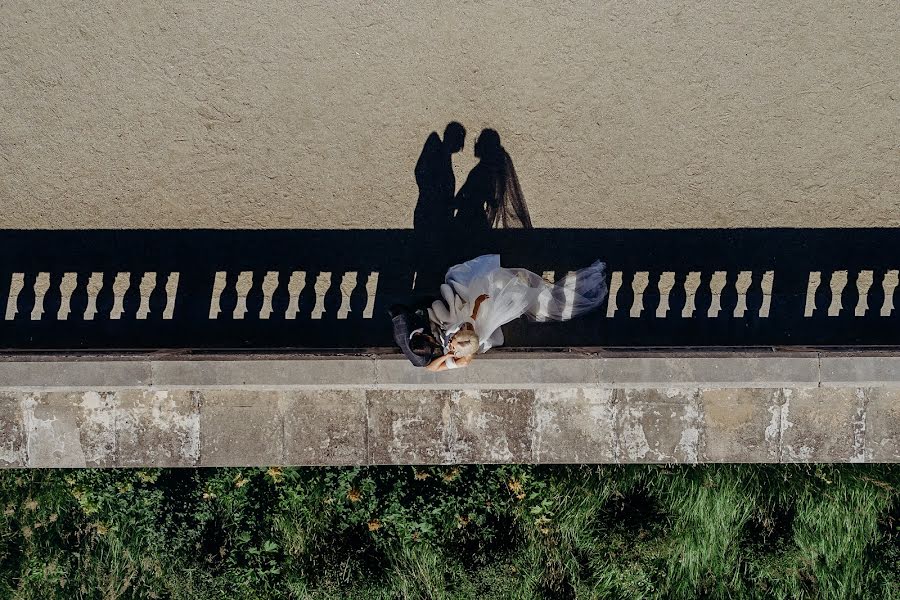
column 452, row 532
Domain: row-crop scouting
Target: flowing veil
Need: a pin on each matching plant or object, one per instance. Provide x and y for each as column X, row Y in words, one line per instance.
column 513, row 293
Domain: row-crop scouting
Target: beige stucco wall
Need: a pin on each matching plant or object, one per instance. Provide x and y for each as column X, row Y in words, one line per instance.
column 312, row 114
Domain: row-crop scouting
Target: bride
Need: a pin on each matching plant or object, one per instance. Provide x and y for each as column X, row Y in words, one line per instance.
column 479, row 296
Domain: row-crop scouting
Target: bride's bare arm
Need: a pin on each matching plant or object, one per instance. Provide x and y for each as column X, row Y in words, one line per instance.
column 440, row 363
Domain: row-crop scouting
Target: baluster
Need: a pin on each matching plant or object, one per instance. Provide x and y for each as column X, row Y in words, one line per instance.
column 133, row 296
column 820, row 298
column 307, row 303
column 615, row 285
column 891, row 281
column 753, row 295
column 93, row 288
column 242, row 287
column 228, row 300
column 863, row 285
column 677, row 298
column 78, row 304
column 875, row 296
column 749, row 301
column 767, row 283
column 638, row 285
column 331, row 300
column 281, row 295
column 348, row 282
column 41, row 285
column 155, row 296
column 171, row 294
column 371, row 293
column 67, row 288
column 5, row 291
column 105, row 297
column 741, row 287
column 652, row 295
column 691, row 285
column 665, row 286
column 120, row 287
column 544, row 299
column 812, row 287
column 215, row 298
column 703, row 297
column 267, row 289
column 729, row 294
column 25, row 302
column 566, row 293
column 323, row 286
column 256, row 296
column 837, row 285
column 359, row 297
column 16, row 285
column 716, row 285
column 53, row 298
column 295, row 285
column 145, row 288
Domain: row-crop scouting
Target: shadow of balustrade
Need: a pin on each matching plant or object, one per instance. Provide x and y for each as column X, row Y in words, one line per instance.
column 330, row 289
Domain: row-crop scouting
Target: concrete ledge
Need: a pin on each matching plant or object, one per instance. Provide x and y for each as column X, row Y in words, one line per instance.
column 794, row 369
column 73, row 374
column 266, row 373
column 509, row 408
column 563, row 424
column 494, row 370
column 852, row 371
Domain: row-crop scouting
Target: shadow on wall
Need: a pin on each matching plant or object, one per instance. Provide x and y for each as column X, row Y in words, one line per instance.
column 330, row 290
column 459, row 225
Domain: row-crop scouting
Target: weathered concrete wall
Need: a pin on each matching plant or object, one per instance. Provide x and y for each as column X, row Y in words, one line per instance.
column 379, row 410
column 312, row 114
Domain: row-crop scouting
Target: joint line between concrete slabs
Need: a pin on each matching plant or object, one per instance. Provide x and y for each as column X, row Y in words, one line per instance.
column 618, row 397
column 281, row 415
column 26, row 427
column 369, row 459
column 864, row 418
column 819, row 368
column 117, row 423
column 783, row 399
column 199, row 399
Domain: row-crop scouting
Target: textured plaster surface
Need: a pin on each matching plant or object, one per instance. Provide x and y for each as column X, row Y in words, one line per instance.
column 429, row 426
column 312, row 114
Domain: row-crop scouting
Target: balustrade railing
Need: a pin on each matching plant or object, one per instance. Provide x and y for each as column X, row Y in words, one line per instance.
column 331, row 289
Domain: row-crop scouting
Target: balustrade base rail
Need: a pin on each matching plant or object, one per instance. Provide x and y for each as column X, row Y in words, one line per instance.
column 329, row 290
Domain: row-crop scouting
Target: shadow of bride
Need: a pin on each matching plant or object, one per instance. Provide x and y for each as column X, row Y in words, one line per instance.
column 453, row 227
column 491, row 197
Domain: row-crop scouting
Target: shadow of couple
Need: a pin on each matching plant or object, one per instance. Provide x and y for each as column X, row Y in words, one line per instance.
column 491, row 196
column 449, row 226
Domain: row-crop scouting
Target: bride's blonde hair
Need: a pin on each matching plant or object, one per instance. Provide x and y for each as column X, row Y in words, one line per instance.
column 466, row 342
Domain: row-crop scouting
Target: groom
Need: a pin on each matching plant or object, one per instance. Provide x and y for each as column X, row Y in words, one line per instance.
column 414, row 336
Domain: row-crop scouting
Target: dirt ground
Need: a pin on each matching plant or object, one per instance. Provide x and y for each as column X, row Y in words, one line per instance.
column 256, row 114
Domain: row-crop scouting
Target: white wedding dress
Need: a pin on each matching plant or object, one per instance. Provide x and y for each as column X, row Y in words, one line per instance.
column 511, row 293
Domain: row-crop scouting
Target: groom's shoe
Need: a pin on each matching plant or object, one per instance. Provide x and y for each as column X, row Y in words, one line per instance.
column 396, row 309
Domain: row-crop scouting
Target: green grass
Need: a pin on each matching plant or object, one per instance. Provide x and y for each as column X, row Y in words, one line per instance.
column 484, row 532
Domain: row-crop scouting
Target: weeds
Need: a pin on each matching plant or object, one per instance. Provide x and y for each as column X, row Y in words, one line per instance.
column 452, row 532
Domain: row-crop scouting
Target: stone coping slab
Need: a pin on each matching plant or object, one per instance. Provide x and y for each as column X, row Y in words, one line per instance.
column 550, row 425
column 494, row 370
